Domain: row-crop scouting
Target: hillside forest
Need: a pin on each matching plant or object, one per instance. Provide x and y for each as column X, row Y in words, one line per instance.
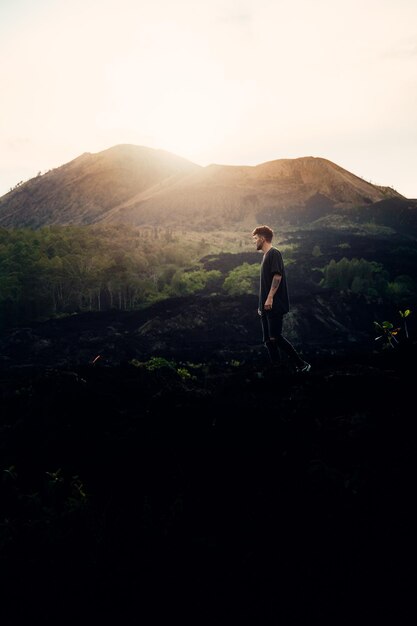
column 58, row 271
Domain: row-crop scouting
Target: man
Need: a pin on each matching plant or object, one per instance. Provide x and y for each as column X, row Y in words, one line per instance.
column 273, row 300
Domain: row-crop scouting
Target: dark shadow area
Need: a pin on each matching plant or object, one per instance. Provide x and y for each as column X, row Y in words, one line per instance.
column 139, row 494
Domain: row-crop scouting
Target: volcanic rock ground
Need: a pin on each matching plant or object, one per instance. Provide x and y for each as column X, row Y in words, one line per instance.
column 232, row 494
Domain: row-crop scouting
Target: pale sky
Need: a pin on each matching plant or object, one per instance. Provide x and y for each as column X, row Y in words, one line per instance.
column 236, row 82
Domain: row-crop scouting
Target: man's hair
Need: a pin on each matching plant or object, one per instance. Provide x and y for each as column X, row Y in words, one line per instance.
column 264, row 231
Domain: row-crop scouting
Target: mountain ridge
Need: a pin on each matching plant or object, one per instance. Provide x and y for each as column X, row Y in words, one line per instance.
column 138, row 185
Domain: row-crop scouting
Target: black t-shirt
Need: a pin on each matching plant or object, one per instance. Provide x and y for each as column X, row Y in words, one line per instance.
column 272, row 263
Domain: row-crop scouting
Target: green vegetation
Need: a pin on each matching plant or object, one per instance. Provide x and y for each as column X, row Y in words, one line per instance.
column 154, row 363
column 242, row 280
column 161, row 365
column 61, row 270
column 404, row 315
column 402, row 288
column 356, row 276
column 371, row 228
column 345, row 223
column 186, row 283
column 388, row 333
column 317, row 251
column 366, row 277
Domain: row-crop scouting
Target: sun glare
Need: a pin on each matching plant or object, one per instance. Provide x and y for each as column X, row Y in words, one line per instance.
column 177, row 96
column 186, row 122
column 183, row 121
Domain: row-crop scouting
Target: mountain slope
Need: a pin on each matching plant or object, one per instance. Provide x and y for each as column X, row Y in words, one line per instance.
column 222, row 193
column 138, row 185
column 84, row 189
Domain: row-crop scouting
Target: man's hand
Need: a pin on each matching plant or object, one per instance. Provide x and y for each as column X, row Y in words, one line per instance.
column 268, row 303
column 259, row 312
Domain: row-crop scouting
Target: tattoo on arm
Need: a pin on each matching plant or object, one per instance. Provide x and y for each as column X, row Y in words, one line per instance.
column 276, row 281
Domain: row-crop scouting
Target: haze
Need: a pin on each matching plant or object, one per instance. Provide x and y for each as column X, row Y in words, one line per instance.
column 221, row 82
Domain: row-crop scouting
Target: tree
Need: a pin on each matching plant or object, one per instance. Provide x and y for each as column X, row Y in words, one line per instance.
column 356, row 276
column 185, row 283
column 242, row 280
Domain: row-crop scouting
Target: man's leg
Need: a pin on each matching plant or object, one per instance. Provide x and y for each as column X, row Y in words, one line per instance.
column 281, row 343
column 289, row 349
column 270, row 342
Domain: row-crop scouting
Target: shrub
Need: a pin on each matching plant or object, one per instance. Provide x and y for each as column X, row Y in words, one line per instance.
column 242, row 280
column 186, row 283
column 403, row 287
column 356, row 276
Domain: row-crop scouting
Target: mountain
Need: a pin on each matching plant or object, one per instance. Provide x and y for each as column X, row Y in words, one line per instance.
column 224, row 193
column 87, row 188
column 138, row 185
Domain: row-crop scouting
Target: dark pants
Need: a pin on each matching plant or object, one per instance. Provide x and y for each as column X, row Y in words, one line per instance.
column 274, row 341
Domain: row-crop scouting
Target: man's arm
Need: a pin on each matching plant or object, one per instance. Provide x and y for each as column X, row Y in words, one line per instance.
column 276, row 280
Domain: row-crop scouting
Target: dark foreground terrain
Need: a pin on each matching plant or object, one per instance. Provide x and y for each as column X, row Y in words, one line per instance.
column 210, row 492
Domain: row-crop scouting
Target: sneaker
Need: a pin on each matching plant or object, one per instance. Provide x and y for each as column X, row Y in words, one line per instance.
column 306, row 367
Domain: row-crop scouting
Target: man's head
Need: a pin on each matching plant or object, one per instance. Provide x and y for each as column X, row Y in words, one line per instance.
column 262, row 235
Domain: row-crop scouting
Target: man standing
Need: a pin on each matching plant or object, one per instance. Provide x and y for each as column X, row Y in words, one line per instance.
column 273, row 300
